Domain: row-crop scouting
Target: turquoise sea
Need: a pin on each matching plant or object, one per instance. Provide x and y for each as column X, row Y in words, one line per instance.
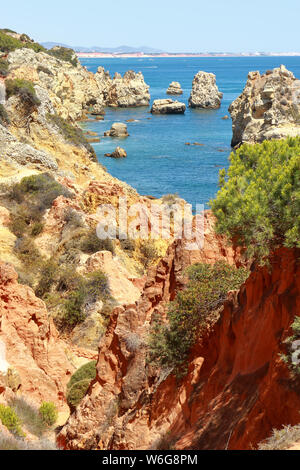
column 158, row 160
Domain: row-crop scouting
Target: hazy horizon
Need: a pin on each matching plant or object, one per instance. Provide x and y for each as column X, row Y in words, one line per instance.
column 197, row 27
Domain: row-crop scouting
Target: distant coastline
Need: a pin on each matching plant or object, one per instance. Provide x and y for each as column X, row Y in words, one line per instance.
column 103, row 55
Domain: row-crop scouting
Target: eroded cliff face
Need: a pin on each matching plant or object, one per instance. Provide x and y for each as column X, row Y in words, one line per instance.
column 31, row 344
column 268, row 108
column 237, row 388
column 120, row 398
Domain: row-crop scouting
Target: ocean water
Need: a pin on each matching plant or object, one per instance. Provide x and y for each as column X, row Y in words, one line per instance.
column 158, row 160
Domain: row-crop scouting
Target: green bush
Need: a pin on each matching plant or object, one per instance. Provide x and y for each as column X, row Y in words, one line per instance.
column 9, row 43
column 10, row 420
column 28, row 253
column 85, row 372
column 48, row 413
column 294, row 366
column 29, row 416
column 65, row 54
column 72, row 134
column 169, row 344
column 48, row 277
column 3, row 67
column 77, row 392
column 36, row 229
column 128, row 245
column 92, row 244
column 258, row 205
column 4, row 119
column 24, row 89
column 148, row 253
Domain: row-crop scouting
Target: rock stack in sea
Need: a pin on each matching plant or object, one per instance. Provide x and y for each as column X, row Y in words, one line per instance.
column 268, row 108
column 127, row 91
column 118, row 129
column 205, row 93
column 118, row 153
column 168, row 106
column 174, row 89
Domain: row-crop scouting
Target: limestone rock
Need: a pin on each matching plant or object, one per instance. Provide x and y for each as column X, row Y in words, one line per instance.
column 118, row 129
column 268, row 108
column 205, row 93
column 118, row 153
column 174, row 89
column 128, row 91
column 168, row 106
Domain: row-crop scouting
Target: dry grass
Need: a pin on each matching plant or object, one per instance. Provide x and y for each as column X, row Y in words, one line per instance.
column 281, row 439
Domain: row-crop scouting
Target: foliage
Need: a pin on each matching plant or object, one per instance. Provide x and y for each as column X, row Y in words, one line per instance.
column 10, row 420
column 188, row 314
column 170, row 199
column 85, row 372
column 92, row 244
column 148, row 253
column 48, row 277
column 29, row 416
column 24, row 89
column 48, row 413
column 64, row 53
column 3, row 67
column 4, row 119
column 71, row 133
column 281, row 439
column 9, row 43
column 77, row 392
column 127, row 245
column 292, row 358
column 258, row 205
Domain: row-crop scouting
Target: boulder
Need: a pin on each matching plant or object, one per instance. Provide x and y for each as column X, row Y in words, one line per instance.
column 174, row 89
column 205, row 93
column 128, row 91
column 118, row 153
column 118, row 129
column 168, row 106
column 268, row 108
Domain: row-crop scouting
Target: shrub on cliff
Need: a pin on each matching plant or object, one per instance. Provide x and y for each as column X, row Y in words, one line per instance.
column 48, row 413
column 3, row 67
column 79, row 383
column 4, row 119
column 24, row 89
column 64, row 53
column 29, row 416
column 9, row 43
column 148, row 253
column 10, row 420
column 258, row 205
column 189, row 313
column 92, row 244
column 71, row 133
column 292, row 358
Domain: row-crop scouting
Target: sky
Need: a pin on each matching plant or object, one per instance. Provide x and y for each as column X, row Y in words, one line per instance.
column 170, row 25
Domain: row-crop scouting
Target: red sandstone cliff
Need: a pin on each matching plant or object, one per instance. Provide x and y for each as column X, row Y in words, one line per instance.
column 236, row 390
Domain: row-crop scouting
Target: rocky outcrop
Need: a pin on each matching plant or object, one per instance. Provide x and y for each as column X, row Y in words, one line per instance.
column 205, row 93
column 174, row 89
column 72, row 90
column 118, row 129
column 118, row 153
column 121, row 387
column 168, row 106
column 127, row 91
column 268, row 108
column 237, row 388
column 23, row 154
column 31, row 342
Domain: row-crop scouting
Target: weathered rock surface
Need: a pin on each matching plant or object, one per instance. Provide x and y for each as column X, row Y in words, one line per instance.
column 205, row 93
column 32, row 344
column 174, row 89
column 268, row 108
column 118, row 153
column 118, row 129
column 23, row 154
column 127, row 91
column 237, row 388
column 168, row 106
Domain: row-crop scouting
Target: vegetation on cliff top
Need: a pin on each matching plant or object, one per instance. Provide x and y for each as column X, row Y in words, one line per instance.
column 190, row 312
column 24, row 89
column 9, row 43
column 258, row 205
column 64, row 53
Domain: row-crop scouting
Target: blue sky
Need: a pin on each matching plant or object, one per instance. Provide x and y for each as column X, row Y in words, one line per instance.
column 171, row 25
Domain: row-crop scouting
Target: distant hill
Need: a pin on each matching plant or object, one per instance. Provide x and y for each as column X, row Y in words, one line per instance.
column 113, row 50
